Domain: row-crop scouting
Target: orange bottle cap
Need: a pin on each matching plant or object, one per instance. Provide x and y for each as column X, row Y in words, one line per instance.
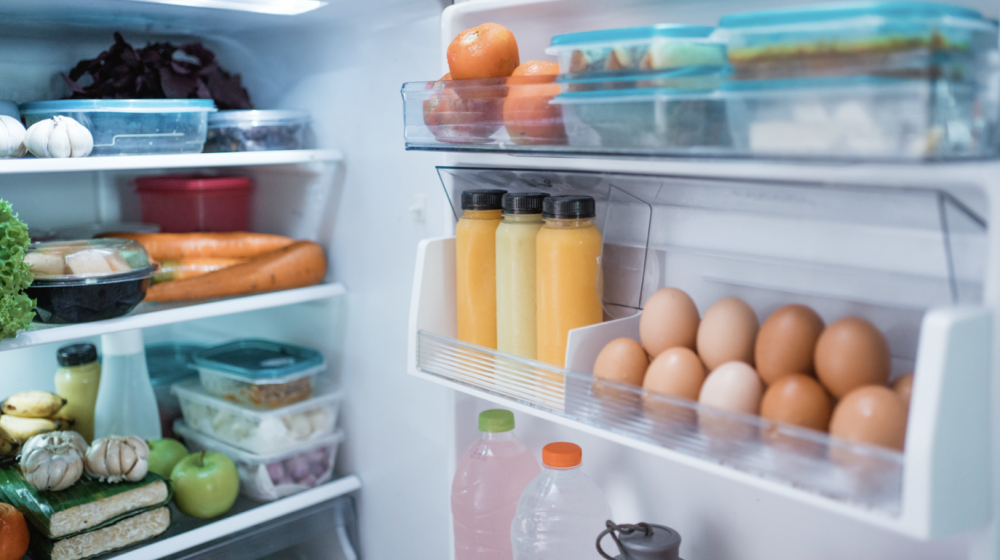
column 562, row 455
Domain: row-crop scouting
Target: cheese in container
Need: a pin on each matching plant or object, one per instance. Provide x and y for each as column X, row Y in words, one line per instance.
column 259, row 373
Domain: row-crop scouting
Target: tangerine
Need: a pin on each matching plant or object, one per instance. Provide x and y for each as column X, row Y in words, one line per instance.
column 528, row 114
column 13, row 533
column 485, row 51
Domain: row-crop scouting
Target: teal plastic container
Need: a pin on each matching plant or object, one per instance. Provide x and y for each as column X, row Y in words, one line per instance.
column 898, row 39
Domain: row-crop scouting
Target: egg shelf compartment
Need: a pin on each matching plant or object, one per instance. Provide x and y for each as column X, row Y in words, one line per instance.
column 677, row 114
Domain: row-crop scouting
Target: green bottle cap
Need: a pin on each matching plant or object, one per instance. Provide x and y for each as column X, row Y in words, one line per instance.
column 496, row 420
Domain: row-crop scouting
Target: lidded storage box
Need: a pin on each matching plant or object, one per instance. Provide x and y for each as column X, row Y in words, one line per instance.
column 187, row 203
column 259, row 372
column 168, row 365
column 253, row 131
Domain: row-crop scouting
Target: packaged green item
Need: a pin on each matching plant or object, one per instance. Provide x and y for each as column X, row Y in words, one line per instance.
column 126, row 532
column 87, row 505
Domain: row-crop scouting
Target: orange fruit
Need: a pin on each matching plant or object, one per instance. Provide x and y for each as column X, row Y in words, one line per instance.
column 485, row 51
column 528, row 115
column 454, row 119
column 13, row 533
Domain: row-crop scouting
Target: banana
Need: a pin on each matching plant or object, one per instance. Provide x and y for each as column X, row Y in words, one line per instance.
column 21, row 429
column 65, row 421
column 8, row 446
column 33, row 404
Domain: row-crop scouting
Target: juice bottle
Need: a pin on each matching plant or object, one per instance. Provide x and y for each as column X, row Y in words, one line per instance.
column 568, row 272
column 516, row 291
column 77, row 381
column 488, row 482
column 476, row 266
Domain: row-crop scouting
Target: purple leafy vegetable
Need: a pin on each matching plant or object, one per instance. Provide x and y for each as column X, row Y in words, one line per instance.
column 157, row 71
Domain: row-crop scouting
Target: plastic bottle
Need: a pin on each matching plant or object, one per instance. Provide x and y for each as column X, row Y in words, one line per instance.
column 126, row 404
column 476, row 267
column 487, row 485
column 516, row 243
column 568, row 269
column 561, row 512
column 77, row 380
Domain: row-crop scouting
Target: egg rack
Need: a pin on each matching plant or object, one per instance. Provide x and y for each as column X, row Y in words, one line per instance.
column 908, row 260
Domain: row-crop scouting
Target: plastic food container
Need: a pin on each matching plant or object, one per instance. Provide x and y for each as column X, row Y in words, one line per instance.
column 259, row 372
column 186, row 203
column 258, row 431
column 655, row 47
column 91, row 280
column 169, row 364
column 271, row 476
column 859, row 118
column 252, row 131
column 9, row 108
column 901, row 39
column 133, row 126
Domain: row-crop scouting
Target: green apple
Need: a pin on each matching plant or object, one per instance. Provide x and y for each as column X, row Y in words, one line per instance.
column 205, row 484
column 164, row 454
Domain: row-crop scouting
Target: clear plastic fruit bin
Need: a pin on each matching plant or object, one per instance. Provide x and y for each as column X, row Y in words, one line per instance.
column 255, row 430
column 271, row 476
column 133, row 126
column 864, row 118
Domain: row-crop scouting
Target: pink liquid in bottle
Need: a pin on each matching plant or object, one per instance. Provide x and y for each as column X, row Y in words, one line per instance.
column 488, row 483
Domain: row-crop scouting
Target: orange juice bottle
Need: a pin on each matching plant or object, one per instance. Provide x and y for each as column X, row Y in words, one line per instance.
column 568, row 251
column 476, row 266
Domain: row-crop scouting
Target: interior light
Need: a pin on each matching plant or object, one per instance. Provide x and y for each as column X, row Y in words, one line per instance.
column 276, row 7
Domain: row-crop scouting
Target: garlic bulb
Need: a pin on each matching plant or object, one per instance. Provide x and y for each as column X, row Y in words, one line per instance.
column 11, row 137
column 118, row 458
column 58, row 137
column 52, row 461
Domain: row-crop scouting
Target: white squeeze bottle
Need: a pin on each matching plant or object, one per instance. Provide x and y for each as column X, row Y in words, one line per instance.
column 488, row 482
column 561, row 513
column 126, row 404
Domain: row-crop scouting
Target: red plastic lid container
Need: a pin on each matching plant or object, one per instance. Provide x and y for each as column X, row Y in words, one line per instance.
column 186, row 203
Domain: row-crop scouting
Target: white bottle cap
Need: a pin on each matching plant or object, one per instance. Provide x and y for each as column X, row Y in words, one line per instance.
column 125, row 343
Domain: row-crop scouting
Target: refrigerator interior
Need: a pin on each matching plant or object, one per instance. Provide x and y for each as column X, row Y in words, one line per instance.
column 345, row 63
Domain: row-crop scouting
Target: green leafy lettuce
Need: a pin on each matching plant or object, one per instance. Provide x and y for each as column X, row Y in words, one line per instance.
column 16, row 309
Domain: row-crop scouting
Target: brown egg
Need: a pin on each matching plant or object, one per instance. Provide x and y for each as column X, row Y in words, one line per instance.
column 871, row 414
column 786, row 343
column 851, row 353
column 670, row 319
column 903, row 385
column 727, row 333
column 733, row 386
column 798, row 399
column 677, row 372
column 622, row 360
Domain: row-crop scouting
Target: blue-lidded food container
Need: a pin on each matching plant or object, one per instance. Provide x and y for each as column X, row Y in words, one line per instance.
column 858, row 118
column 259, row 372
column 665, row 112
column 169, row 364
column 899, row 39
column 650, row 48
column 133, row 126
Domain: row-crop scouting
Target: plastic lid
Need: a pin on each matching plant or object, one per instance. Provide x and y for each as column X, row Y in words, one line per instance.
column 562, row 455
column 496, row 420
column 523, row 202
column 632, row 34
column 644, row 541
column 90, row 261
column 323, row 395
column 569, row 207
column 827, row 12
column 169, row 363
column 212, row 444
column 119, row 106
column 258, row 117
column 191, row 183
column 482, row 199
column 76, row 355
column 261, row 361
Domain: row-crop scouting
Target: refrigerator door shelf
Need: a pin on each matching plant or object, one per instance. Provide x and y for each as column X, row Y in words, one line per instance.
column 938, row 486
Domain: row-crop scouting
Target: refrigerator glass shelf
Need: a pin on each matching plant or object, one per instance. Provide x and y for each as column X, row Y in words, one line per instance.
column 861, row 475
column 168, row 161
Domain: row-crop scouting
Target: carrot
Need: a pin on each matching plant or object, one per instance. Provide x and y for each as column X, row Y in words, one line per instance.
column 182, row 269
column 238, row 244
column 300, row 264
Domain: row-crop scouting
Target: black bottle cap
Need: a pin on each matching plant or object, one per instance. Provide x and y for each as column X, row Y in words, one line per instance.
column 482, row 199
column 569, row 207
column 76, row 355
column 523, row 202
